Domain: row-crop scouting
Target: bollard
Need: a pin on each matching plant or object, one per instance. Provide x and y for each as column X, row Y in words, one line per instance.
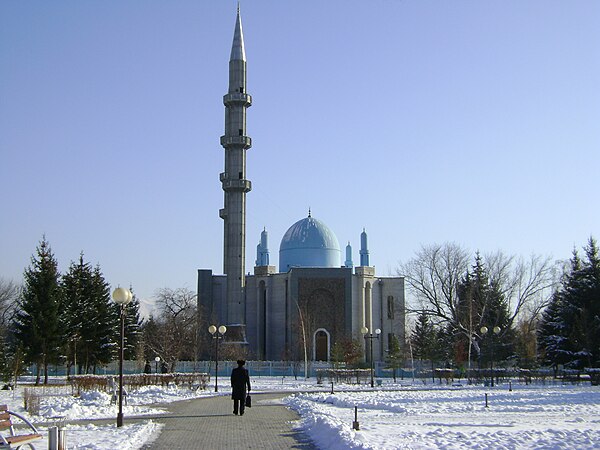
column 510, row 386
column 486, row 400
column 62, row 438
column 57, row 436
column 53, row 438
column 355, row 425
column 332, row 387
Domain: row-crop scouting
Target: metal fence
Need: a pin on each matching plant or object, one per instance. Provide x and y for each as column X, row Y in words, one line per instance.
column 421, row 370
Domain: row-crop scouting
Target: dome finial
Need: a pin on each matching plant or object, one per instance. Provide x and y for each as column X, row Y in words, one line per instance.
column 309, row 213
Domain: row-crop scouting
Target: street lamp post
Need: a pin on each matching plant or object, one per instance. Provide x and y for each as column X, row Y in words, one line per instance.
column 156, row 361
column 370, row 337
column 496, row 331
column 217, row 333
column 122, row 297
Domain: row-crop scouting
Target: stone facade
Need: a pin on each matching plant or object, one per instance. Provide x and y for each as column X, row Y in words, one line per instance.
column 331, row 304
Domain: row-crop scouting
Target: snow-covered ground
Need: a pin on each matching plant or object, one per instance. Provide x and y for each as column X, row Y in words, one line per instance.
column 560, row 417
column 395, row 416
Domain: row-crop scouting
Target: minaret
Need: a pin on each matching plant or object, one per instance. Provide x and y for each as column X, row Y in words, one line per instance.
column 364, row 250
column 262, row 250
column 349, row 262
column 235, row 142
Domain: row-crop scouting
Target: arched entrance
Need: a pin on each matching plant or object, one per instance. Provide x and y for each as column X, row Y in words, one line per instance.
column 321, row 345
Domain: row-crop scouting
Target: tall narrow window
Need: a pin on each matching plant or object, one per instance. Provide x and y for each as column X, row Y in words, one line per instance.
column 390, row 343
column 390, row 307
column 241, row 132
column 368, row 307
column 263, row 307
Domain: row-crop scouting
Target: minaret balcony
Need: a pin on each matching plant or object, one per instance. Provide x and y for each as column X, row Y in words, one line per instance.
column 237, row 98
column 244, row 141
column 236, row 185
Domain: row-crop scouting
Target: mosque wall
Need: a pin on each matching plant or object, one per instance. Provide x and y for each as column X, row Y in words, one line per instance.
column 331, row 299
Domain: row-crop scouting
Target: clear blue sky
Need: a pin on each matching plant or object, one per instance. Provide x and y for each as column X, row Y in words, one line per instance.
column 422, row 121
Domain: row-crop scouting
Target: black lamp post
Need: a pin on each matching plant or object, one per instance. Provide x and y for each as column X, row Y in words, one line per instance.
column 122, row 297
column 370, row 337
column 484, row 331
column 217, row 333
column 156, row 361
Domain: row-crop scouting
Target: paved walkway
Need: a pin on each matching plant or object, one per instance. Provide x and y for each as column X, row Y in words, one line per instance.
column 209, row 423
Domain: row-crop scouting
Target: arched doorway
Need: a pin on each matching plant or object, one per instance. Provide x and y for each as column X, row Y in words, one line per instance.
column 321, row 345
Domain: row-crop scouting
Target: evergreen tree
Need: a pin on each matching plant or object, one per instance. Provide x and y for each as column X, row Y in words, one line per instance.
column 481, row 303
column 37, row 327
column 586, row 327
column 105, row 334
column 552, row 334
column 77, row 287
column 422, row 336
column 91, row 319
column 424, row 340
column 570, row 329
column 133, row 324
column 395, row 355
column 581, row 311
column 150, row 335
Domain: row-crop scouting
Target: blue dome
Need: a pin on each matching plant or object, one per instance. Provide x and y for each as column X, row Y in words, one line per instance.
column 309, row 243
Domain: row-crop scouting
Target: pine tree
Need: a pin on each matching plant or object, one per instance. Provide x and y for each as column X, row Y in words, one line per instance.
column 423, row 336
column 395, row 355
column 424, row 341
column 552, row 340
column 77, row 287
column 581, row 311
column 570, row 329
column 133, row 323
column 91, row 319
column 37, row 327
column 481, row 303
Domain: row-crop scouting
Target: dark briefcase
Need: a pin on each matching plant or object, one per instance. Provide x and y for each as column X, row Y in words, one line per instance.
column 248, row 401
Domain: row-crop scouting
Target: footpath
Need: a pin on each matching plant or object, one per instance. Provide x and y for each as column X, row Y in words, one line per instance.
column 209, row 423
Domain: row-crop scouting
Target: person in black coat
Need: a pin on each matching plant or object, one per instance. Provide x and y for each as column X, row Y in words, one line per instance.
column 240, row 380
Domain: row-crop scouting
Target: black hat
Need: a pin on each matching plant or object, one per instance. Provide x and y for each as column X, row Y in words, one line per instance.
column 241, row 362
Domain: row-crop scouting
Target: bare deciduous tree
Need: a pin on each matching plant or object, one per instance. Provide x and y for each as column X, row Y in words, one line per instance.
column 173, row 335
column 432, row 277
column 9, row 296
column 526, row 284
column 434, row 274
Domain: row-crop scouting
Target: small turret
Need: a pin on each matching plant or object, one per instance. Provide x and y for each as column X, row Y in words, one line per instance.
column 262, row 250
column 349, row 262
column 364, row 250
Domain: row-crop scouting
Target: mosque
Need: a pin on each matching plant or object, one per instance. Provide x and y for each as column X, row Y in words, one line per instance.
column 313, row 298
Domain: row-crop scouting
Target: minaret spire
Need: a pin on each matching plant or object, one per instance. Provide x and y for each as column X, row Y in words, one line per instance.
column 235, row 185
column 237, row 48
